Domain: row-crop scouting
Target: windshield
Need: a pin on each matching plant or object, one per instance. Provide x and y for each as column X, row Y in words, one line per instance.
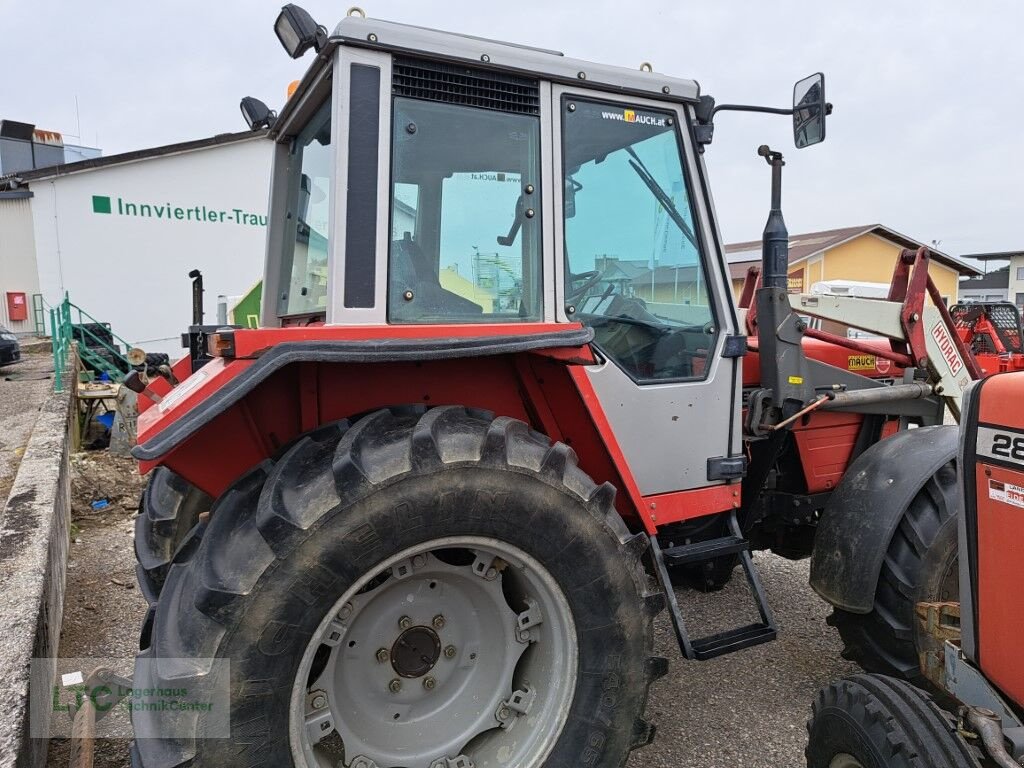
column 634, row 269
column 305, row 260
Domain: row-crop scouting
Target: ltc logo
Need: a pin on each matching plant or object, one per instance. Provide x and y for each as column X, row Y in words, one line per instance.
column 629, row 115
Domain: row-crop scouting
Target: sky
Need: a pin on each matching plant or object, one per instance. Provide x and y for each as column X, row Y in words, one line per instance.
column 926, row 136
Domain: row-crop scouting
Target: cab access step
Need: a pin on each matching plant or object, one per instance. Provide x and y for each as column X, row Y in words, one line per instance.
column 731, row 640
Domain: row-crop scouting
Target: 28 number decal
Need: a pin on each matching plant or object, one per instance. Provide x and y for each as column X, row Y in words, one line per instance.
column 1008, row 446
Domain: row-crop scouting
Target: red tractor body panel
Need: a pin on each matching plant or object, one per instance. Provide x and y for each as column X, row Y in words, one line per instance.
column 999, row 522
column 547, row 387
column 544, row 387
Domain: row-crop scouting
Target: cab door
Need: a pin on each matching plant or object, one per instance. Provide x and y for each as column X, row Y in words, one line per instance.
column 639, row 262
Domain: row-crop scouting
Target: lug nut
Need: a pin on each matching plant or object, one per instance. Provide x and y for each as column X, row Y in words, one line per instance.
column 319, row 701
column 449, row 652
column 382, row 655
column 429, row 683
column 395, row 685
column 439, row 621
column 405, row 622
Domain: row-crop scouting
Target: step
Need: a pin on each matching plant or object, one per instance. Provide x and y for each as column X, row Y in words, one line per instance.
column 731, row 640
column 703, row 551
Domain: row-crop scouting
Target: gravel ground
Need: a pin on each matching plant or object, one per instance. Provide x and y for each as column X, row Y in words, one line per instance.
column 20, row 400
column 747, row 709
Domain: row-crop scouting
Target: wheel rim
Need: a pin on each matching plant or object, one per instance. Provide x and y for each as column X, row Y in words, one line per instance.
column 458, row 652
column 845, row 761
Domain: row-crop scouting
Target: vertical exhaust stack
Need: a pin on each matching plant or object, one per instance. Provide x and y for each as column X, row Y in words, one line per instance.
column 775, row 240
column 197, row 296
column 780, row 331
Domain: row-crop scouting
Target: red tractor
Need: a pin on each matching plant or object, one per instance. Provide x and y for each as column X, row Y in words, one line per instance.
column 993, row 334
column 500, row 403
column 874, row 721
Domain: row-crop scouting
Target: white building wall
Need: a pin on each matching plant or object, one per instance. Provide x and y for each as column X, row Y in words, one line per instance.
column 18, row 270
column 1016, row 289
column 203, row 209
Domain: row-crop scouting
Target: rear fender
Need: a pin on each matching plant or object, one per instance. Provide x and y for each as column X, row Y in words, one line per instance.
column 236, row 412
column 861, row 515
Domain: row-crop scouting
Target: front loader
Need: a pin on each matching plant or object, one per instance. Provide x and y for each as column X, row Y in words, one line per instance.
column 500, row 401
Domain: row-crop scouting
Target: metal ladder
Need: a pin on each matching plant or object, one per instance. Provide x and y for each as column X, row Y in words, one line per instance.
column 730, row 640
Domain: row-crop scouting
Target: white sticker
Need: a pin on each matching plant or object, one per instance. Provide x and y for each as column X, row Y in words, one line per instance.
column 72, row 678
column 1008, row 493
column 182, row 391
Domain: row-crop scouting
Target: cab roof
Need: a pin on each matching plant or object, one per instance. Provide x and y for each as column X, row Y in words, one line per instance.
column 536, row 62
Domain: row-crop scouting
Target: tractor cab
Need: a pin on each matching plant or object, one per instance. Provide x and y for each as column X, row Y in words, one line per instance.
column 431, row 179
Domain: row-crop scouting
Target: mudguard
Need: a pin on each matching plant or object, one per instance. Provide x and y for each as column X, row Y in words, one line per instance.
column 861, row 515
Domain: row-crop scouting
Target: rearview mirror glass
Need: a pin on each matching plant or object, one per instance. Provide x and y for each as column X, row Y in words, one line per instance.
column 809, row 110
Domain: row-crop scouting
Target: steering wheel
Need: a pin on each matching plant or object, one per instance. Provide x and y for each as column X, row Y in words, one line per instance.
column 588, row 279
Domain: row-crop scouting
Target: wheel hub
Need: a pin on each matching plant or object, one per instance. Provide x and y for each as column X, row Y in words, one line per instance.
column 415, row 652
column 437, row 659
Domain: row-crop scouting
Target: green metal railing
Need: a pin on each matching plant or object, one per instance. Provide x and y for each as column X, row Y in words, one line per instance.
column 69, row 323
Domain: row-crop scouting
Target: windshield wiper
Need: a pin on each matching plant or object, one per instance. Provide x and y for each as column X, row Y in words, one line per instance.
column 662, row 196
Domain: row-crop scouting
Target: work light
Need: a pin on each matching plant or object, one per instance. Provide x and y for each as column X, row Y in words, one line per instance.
column 256, row 113
column 298, row 32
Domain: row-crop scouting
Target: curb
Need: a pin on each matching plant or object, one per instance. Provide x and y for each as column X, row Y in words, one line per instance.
column 34, row 529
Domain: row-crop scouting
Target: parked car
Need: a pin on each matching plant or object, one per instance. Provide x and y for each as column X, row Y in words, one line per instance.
column 10, row 350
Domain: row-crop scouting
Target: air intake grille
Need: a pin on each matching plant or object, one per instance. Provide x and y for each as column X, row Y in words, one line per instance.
column 456, row 84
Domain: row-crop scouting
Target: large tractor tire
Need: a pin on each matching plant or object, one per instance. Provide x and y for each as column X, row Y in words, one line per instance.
column 872, row 721
column 168, row 510
column 424, row 589
column 920, row 566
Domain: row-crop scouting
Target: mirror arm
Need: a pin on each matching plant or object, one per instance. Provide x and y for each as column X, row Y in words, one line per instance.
column 750, row 108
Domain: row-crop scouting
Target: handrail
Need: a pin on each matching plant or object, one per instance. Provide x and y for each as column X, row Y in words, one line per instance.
column 64, row 332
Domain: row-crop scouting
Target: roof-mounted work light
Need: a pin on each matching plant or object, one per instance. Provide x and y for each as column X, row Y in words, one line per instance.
column 298, row 32
column 257, row 114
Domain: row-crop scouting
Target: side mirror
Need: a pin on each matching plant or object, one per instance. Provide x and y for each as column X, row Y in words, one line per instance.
column 809, row 110
column 571, row 188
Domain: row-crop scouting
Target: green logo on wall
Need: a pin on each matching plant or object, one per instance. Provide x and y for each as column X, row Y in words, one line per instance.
column 104, row 204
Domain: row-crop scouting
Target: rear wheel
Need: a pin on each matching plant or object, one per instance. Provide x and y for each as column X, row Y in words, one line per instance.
column 168, row 510
column 424, row 589
column 920, row 566
column 871, row 721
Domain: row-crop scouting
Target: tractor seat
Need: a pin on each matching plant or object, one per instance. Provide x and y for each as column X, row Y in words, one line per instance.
column 415, row 271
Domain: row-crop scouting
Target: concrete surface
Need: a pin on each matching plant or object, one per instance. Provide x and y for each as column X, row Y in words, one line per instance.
column 19, row 406
column 34, row 524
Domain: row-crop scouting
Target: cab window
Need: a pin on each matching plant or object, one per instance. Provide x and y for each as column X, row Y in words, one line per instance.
column 634, row 268
column 465, row 215
column 305, row 259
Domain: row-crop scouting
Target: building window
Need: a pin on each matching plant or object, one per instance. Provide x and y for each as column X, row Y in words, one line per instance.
column 1020, row 273
column 1020, row 300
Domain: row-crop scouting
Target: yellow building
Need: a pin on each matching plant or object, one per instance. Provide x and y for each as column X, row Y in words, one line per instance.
column 865, row 254
column 452, row 281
